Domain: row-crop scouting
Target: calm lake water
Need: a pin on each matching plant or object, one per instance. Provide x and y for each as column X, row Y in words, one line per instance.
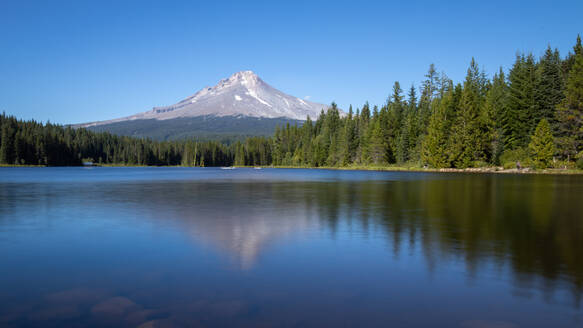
column 205, row 247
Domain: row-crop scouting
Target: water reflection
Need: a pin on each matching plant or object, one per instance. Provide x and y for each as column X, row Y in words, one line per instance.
column 533, row 224
column 292, row 245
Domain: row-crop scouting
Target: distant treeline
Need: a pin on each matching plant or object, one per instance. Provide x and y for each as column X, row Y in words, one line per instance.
column 32, row 143
column 532, row 116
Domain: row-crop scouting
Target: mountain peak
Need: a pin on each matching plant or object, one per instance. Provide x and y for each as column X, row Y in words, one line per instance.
column 248, row 78
column 243, row 94
column 244, row 74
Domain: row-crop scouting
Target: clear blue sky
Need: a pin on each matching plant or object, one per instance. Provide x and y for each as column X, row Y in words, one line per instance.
column 78, row 61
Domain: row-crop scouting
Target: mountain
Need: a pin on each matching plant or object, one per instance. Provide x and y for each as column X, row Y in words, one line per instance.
column 241, row 105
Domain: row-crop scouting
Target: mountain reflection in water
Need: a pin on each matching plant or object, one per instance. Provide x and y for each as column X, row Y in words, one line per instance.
column 215, row 247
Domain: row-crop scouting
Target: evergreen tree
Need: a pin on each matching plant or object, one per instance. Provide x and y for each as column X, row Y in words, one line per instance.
column 570, row 111
column 350, row 140
column 365, row 114
column 376, row 150
column 393, row 122
column 542, row 146
column 429, row 91
column 431, row 85
column 331, row 135
column 549, row 91
column 386, row 131
column 7, row 141
column 495, row 108
column 435, row 144
column 239, row 154
column 570, row 60
column 465, row 135
column 520, row 111
column 306, row 142
column 408, row 131
column 363, row 133
column 412, row 99
column 404, row 141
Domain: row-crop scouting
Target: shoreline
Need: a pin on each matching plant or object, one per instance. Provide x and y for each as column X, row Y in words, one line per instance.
column 479, row 170
column 483, row 170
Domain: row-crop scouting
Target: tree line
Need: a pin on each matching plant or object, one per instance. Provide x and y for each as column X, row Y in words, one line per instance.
column 530, row 116
column 33, row 143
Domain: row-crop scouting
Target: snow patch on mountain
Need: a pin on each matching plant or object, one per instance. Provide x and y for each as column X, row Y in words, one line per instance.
column 253, row 94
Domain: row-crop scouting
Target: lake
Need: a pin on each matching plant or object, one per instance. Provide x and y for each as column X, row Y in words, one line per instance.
column 205, row 247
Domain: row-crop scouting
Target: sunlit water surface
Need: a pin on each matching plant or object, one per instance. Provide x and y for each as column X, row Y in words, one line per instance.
column 205, row 247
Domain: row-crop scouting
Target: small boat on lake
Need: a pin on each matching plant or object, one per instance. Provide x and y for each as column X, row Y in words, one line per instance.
column 227, row 168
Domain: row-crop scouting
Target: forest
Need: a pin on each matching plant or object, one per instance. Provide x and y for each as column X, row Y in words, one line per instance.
column 530, row 116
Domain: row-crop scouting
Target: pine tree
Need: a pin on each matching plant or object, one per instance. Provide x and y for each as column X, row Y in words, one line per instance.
column 542, row 146
column 239, row 154
column 386, row 132
column 570, row 111
column 371, row 148
column 466, row 132
column 363, row 133
column 404, row 144
column 306, row 142
column 495, row 107
column 19, row 147
column 431, row 84
column 519, row 117
column 428, row 93
column 277, row 142
column 394, row 119
column 412, row 99
column 7, row 141
column 549, row 91
column 435, row 143
column 408, row 132
column 331, row 135
column 570, row 60
column 365, row 114
column 376, row 150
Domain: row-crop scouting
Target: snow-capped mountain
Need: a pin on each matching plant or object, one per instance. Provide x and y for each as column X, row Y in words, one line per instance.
column 243, row 94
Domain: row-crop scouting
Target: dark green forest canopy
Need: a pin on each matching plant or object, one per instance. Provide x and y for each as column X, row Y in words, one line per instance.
column 226, row 129
column 529, row 116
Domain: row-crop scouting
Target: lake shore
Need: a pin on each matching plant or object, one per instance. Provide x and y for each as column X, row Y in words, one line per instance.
column 18, row 165
column 487, row 170
column 490, row 169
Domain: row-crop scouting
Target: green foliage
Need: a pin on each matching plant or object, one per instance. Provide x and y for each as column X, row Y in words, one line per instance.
column 492, row 117
column 549, row 88
column 465, row 147
column 542, row 145
column 435, row 143
column 32, row 143
column 570, row 111
column 511, row 157
column 391, row 121
column 8, row 132
column 520, row 106
column 406, row 137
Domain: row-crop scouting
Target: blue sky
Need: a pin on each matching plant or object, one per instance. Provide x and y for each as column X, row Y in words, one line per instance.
column 78, row 61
